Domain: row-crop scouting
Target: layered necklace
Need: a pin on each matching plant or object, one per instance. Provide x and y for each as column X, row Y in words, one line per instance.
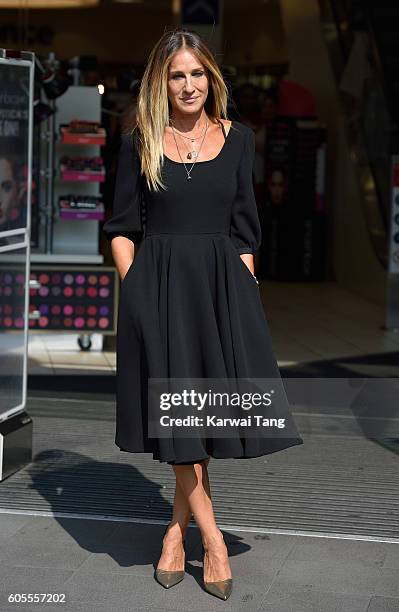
column 192, row 153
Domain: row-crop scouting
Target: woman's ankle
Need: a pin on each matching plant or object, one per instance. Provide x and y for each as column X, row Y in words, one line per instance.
column 213, row 538
column 177, row 530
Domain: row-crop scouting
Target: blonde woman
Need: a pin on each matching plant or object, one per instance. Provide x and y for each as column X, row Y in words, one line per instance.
column 189, row 304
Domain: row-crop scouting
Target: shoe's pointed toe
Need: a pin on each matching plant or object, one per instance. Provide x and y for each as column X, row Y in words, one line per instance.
column 168, row 578
column 220, row 588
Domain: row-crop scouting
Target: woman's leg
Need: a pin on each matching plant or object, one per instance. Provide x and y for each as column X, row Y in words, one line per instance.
column 194, row 482
column 172, row 556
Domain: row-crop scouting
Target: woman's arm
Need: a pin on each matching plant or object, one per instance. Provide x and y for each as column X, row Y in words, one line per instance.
column 123, row 254
column 125, row 228
column 245, row 228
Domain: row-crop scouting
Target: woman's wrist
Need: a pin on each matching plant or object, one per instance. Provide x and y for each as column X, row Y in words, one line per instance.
column 123, row 269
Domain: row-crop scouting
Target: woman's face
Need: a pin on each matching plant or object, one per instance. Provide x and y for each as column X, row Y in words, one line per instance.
column 277, row 187
column 8, row 191
column 187, row 83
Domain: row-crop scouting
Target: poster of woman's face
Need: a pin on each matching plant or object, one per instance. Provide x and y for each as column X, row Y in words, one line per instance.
column 278, row 188
column 12, row 193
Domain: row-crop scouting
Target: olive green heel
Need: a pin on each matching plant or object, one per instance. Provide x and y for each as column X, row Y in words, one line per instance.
column 169, row 578
column 220, row 588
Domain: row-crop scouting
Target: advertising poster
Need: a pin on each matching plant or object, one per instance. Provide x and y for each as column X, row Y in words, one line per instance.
column 393, row 266
column 14, row 117
column 294, row 220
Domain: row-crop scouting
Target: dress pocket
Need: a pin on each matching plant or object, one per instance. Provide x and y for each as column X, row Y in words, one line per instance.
column 123, row 280
column 131, row 268
column 242, row 264
column 247, row 270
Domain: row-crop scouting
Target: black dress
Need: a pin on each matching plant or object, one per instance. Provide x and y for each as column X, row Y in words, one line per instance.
column 189, row 306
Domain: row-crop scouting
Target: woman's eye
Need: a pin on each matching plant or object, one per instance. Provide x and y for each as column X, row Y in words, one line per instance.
column 7, row 186
column 179, row 76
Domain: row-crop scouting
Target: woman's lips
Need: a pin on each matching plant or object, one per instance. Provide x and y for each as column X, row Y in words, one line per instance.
column 190, row 100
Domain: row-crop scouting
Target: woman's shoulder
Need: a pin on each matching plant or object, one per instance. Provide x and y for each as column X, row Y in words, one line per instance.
column 241, row 127
column 242, row 130
column 129, row 143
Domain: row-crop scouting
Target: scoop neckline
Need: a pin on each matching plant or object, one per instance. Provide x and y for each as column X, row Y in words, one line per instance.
column 206, row 161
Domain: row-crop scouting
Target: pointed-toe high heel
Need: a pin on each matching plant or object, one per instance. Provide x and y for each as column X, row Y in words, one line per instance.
column 219, row 588
column 168, row 578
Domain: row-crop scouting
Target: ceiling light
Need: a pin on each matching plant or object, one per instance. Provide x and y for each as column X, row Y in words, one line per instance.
column 47, row 4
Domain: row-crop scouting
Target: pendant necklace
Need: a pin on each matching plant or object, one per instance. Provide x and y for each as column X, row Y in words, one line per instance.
column 193, row 154
column 197, row 152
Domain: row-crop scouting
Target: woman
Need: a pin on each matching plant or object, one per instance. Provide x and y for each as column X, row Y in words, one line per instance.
column 189, row 305
column 12, row 192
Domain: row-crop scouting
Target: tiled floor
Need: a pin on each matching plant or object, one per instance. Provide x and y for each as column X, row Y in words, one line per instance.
column 60, row 354
column 105, row 566
column 309, row 322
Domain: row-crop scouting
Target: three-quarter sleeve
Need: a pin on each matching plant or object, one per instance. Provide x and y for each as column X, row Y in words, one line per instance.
column 126, row 213
column 245, row 228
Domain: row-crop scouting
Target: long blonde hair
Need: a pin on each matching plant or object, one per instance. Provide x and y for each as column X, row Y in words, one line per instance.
column 153, row 106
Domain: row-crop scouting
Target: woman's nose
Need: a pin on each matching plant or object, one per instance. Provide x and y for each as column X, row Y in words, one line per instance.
column 188, row 86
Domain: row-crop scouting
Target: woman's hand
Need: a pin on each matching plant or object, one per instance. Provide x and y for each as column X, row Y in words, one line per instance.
column 123, row 254
column 248, row 259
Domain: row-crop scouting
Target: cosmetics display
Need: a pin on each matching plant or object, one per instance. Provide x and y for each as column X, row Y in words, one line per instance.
column 81, row 207
column 83, row 132
column 76, row 299
column 71, row 290
column 82, row 169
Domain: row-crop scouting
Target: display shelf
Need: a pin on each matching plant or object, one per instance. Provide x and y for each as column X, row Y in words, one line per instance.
column 55, row 258
column 65, row 298
column 78, row 236
column 93, row 214
column 73, row 258
column 67, row 137
column 69, row 238
column 81, row 207
column 76, row 176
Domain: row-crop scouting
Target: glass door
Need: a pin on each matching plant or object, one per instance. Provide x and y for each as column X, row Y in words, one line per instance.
column 16, row 128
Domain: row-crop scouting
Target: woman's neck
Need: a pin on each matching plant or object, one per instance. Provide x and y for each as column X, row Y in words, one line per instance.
column 185, row 122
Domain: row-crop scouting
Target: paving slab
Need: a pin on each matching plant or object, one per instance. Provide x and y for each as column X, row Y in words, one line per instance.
column 109, row 565
column 383, row 604
column 309, row 599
